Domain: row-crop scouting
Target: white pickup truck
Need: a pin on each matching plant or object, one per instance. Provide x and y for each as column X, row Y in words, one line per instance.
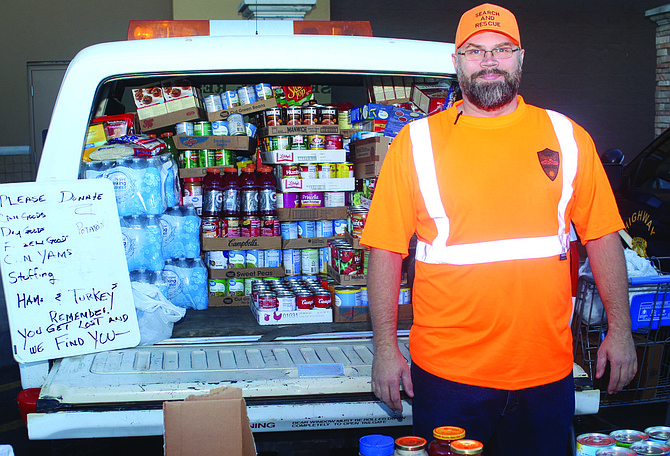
column 120, row 393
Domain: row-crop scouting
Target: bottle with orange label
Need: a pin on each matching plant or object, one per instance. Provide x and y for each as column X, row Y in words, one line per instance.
column 444, row 435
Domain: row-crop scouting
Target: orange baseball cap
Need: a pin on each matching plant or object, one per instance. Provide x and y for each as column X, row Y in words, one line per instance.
column 487, row 18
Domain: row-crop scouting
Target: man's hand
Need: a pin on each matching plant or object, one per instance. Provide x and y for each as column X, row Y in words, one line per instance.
column 619, row 349
column 389, row 371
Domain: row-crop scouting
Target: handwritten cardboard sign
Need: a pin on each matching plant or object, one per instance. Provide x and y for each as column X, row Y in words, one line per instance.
column 64, row 270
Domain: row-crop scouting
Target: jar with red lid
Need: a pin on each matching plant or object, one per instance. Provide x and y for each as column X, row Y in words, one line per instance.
column 444, row 435
column 410, row 446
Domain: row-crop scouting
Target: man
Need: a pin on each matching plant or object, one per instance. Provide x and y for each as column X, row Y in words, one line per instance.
column 490, row 187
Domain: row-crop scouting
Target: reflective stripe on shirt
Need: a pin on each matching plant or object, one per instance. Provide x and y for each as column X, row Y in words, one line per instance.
column 438, row 252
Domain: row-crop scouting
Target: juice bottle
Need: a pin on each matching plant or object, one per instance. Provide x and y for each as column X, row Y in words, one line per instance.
column 212, row 193
column 444, row 435
column 267, row 191
column 249, row 193
column 231, row 193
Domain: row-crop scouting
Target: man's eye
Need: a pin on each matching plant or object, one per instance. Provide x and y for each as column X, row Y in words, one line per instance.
column 474, row 51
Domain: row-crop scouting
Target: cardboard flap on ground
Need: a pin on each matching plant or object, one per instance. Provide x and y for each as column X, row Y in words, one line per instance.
column 184, row 142
column 244, row 109
column 284, row 130
column 209, row 425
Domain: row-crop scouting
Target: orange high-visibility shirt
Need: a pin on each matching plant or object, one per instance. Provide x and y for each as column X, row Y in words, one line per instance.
column 501, row 324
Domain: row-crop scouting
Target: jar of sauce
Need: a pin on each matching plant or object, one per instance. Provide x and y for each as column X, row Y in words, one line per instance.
column 466, row 446
column 410, row 446
column 444, row 435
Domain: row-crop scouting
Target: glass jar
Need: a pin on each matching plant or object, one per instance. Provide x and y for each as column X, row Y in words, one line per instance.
column 466, row 446
column 444, row 435
column 410, row 446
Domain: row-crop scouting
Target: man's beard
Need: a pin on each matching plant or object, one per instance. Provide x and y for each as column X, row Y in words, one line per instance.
column 489, row 96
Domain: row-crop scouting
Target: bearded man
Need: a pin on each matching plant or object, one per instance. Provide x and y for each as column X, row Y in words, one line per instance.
column 491, row 187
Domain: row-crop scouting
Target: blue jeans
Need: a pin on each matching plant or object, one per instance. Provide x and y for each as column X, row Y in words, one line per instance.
column 532, row 421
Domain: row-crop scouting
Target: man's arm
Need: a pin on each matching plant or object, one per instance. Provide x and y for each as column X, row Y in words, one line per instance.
column 389, row 367
column 609, row 271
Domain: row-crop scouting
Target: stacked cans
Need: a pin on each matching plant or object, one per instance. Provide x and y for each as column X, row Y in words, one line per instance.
column 308, row 229
column 238, row 259
column 345, row 259
column 310, row 262
column 289, row 294
column 356, row 216
column 302, row 142
column 299, row 115
column 315, row 170
column 229, row 227
column 234, row 126
column 238, row 97
column 293, row 200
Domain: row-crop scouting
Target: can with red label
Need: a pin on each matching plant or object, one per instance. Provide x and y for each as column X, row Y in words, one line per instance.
column 210, row 227
column 289, row 170
column 251, row 227
column 329, row 115
column 273, row 117
column 323, row 300
column 316, row 142
column 267, row 301
column 270, row 226
column 357, row 224
column 334, row 142
column 310, row 115
column 304, row 300
column 230, row 227
column 324, row 170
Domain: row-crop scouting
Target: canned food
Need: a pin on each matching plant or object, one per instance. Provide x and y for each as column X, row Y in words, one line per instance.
column 405, row 295
column 333, row 142
column 253, row 259
column 273, row 117
column 308, row 171
column 304, row 300
column 273, row 258
column 310, row 115
column 334, row 199
column 202, row 128
column 229, row 99
column 279, row 143
column 323, row 300
column 291, row 262
column 267, row 301
column 235, row 287
column 190, row 158
column 220, row 128
column 251, row 227
column 306, row 229
column 236, row 125
column 250, row 129
column 286, row 301
column 237, row 259
column 316, row 142
column 309, row 261
column 269, row 226
column 339, row 227
column 347, row 296
column 311, row 199
column 217, row 287
column 588, row 444
column 289, row 170
column 213, row 103
column 207, row 158
column 329, row 115
column 298, row 142
column 324, row 228
column 289, row 200
column 230, row 227
column 658, row 433
column 358, row 218
column 246, row 96
column 216, row 259
column 289, row 230
column 263, row 91
column 626, row 437
column 209, row 227
column 294, row 115
column 324, row 171
column 184, row 128
column 650, row 447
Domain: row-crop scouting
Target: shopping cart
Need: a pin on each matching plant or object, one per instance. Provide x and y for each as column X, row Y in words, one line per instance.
column 650, row 316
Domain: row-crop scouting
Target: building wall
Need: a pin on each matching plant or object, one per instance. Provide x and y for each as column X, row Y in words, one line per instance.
column 594, row 61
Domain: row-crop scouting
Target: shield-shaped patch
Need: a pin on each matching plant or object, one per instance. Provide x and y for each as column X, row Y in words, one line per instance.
column 550, row 162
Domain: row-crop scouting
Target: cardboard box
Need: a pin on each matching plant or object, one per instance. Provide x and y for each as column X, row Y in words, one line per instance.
column 246, row 273
column 284, row 130
column 209, row 425
column 229, row 301
column 345, row 279
column 430, row 98
column 312, row 213
column 274, row 317
column 184, row 142
column 371, row 125
column 277, row 157
column 307, row 243
column 362, row 313
column 368, row 155
column 383, row 112
column 340, row 184
column 170, row 113
column 241, row 243
column 261, row 105
column 354, row 241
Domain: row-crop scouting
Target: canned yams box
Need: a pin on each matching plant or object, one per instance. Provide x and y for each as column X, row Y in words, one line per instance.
column 208, row 425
